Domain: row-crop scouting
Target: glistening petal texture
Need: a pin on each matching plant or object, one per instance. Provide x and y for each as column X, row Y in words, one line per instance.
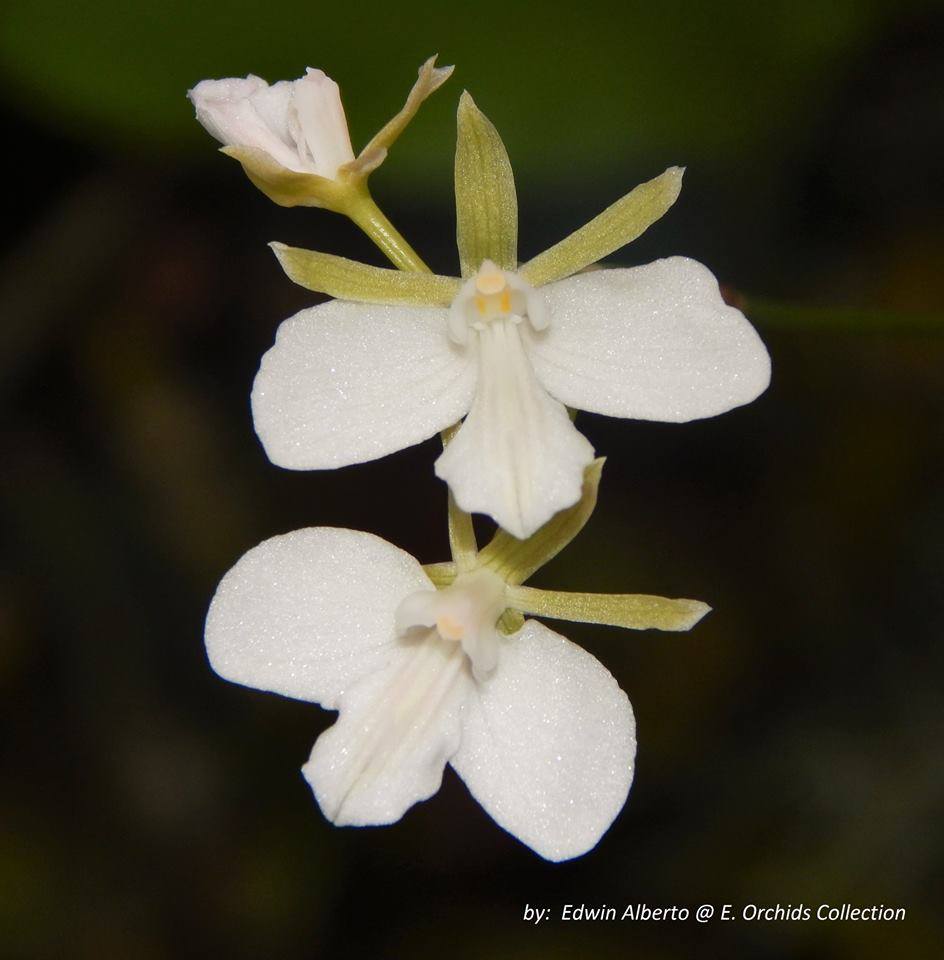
column 653, row 343
column 548, row 744
column 273, row 105
column 248, row 113
column 346, row 383
column 398, row 728
column 223, row 106
column 517, row 456
column 308, row 613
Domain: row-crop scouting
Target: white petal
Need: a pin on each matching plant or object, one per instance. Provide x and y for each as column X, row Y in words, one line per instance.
column 518, row 456
column 247, row 112
column 323, row 124
column 308, row 613
column 548, row 744
column 213, row 101
column 273, row 104
column 653, row 343
column 398, row 728
column 346, row 383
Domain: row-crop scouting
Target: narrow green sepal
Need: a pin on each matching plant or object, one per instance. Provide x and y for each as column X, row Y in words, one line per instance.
column 510, row 622
column 620, row 223
column 430, row 78
column 289, row 188
column 515, row 560
column 636, row 611
column 350, row 280
column 486, row 203
column 442, row 574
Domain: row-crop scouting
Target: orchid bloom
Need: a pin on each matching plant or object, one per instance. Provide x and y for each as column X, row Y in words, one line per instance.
column 400, row 356
column 292, row 138
column 436, row 665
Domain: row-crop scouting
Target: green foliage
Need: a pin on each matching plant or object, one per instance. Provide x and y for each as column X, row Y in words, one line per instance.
column 631, row 78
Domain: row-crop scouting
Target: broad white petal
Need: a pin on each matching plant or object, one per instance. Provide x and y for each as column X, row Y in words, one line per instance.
column 398, row 728
column 346, row 383
column 518, row 456
column 247, row 112
column 273, row 104
column 323, row 124
column 548, row 744
column 308, row 613
column 652, row 343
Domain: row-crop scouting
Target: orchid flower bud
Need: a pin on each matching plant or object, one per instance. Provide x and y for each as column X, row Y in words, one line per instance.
column 292, row 138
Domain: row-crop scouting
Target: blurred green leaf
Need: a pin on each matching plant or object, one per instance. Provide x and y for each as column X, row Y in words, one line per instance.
column 590, row 84
column 796, row 317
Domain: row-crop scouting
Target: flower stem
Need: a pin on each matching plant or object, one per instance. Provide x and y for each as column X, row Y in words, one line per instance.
column 370, row 218
column 461, row 537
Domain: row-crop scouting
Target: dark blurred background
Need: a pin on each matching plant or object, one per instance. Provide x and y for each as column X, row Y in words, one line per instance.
column 789, row 747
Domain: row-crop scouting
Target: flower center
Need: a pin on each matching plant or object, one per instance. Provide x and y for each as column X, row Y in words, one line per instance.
column 450, row 629
column 464, row 613
column 494, row 295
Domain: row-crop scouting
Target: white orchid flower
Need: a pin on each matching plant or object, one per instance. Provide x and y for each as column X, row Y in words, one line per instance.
column 292, row 137
column 400, row 356
column 436, row 665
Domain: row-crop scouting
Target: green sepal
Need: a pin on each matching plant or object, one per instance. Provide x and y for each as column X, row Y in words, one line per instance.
column 486, row 203
column 636, row 611
column 430, row 79
column 510, row 622
column 350, row 280
column 620, row 223
column 442, row 574
column 289, row 188
column 515, row 560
